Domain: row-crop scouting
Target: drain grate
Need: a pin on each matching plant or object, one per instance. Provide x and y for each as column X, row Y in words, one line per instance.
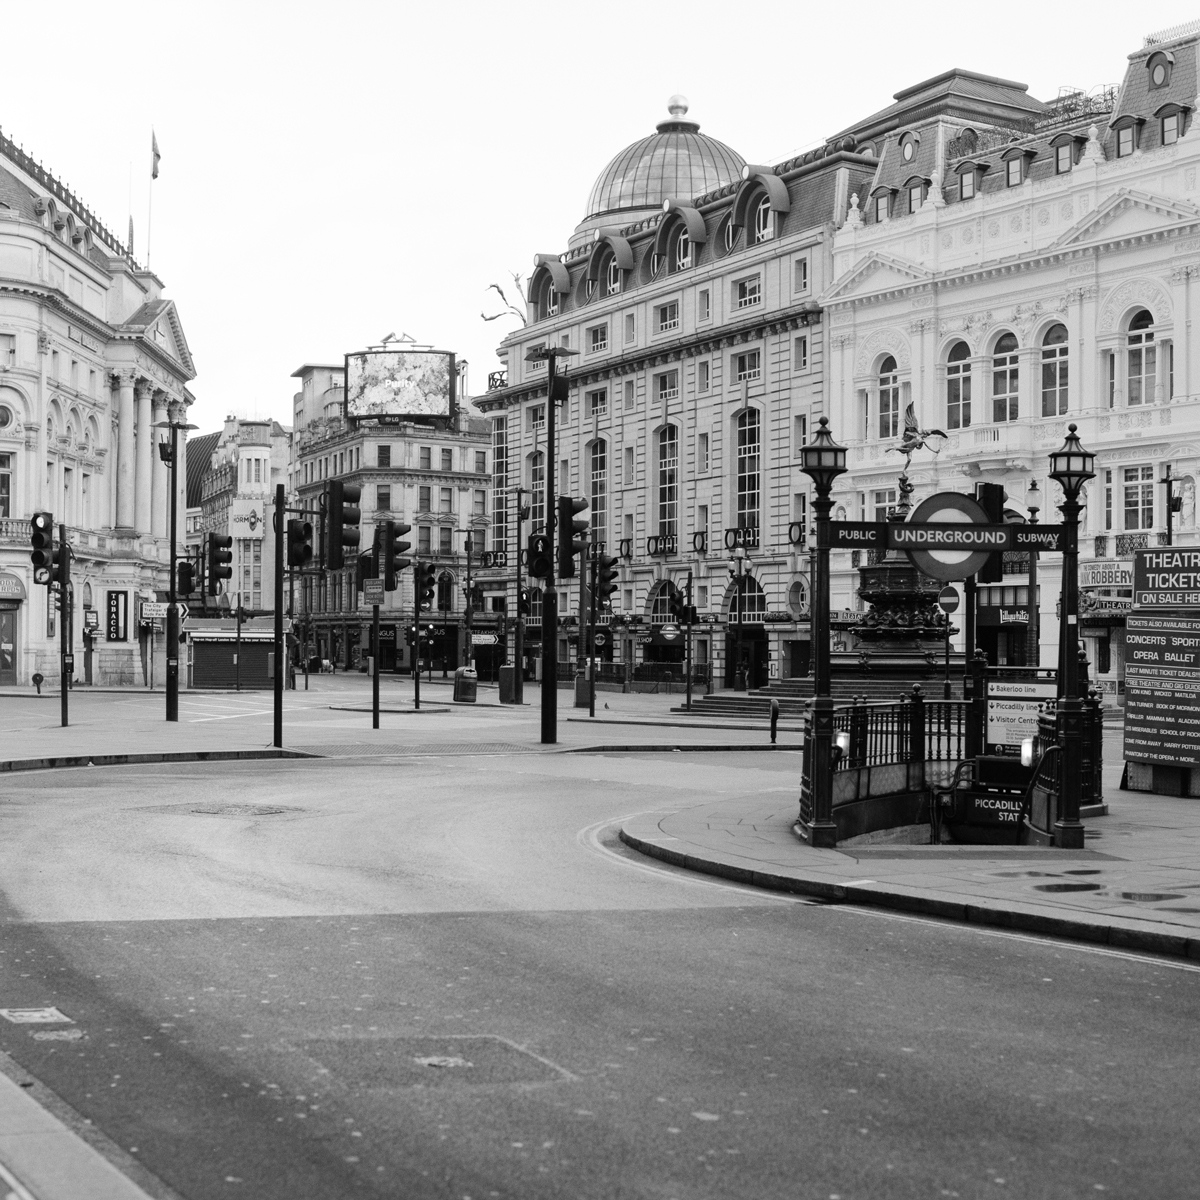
column 1151, row 897
column 393, row 749
column 1066, row 887
column 403, row 1062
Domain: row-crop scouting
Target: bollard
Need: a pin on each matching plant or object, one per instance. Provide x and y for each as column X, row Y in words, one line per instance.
column 38, row 677
column 774, row 719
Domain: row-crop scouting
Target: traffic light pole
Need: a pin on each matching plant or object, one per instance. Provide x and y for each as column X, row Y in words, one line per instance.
column 593, row 577
column 374, row 666
column 172, row 598
column 550, row 594
column 689, row 642
column 280, row 665
column 519, row 630
column 64, row 607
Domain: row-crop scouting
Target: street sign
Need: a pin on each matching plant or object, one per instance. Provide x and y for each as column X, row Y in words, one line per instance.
column 960, row 547
column 948, row 600
column 944, row 538
column 153, row 610
column 373, row 591
column 482, row 639
column 601, row 639
column 183, row 611
column 41, row 574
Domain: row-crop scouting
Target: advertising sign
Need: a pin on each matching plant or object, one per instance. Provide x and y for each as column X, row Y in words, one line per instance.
column 1105, row 572
column 372, row 591
column 389, row 385
column 1166, row 578
column 118, row 616
column 1162, row 687
column 1012, row 712
column 247, row 517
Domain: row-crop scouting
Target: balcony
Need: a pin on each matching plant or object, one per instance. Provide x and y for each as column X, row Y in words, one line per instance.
column 1127, row 543
column 745, row 536
column 497, row 380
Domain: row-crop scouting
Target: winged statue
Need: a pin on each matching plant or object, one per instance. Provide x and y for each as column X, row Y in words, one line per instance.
column 914, row 438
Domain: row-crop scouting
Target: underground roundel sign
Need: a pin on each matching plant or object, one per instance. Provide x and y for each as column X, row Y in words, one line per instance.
column 944, row 554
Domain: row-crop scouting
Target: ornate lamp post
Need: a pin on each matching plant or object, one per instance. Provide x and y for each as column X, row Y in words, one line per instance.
column 823, row 460
column 1071, row 467
column 168, row 451
column 1033, row 502
column 738, row 570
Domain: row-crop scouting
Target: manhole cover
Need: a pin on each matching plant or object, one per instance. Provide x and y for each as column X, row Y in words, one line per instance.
column 240, row 810
column 431, row 1062
column 1151, row 897
column 1066, row 887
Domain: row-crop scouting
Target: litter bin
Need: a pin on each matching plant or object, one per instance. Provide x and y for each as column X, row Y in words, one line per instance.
column 508, row 685
column 466, row 681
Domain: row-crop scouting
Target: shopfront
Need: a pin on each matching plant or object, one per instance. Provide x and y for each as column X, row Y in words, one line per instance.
column 12, row 597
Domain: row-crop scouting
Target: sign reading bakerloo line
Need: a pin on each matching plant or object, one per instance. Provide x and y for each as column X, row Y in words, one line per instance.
column 948, row 536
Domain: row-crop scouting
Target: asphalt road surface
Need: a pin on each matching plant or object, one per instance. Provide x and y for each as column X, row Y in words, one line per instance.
column 444, row 977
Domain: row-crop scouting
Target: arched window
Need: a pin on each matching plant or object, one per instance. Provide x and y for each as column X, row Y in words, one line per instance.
column 1054, row 371
column 660, row 606
column 682, row 258
column 599, row 496
column 668, row 481
column 752, row 599
column 748, row 483
column 612, row 278
column 764, row 221
column 958, row 386
column 1143, row 355
column 889, row 398
column 549, row 300
column 1004, row 379
column 728, row 233
column 537, row 485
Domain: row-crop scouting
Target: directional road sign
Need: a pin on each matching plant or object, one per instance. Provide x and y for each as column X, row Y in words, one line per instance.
column 372, row 591
column 482, row 639
column 153, row 610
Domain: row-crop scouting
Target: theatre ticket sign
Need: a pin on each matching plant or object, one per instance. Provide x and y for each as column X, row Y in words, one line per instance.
column 1162, row 659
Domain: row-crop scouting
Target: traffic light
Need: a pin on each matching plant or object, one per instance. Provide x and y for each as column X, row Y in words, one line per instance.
column 991, row 497
column 185, row 577
column 606, row 577
column 540, row 562
column 425, row 585
column 523, row 607
column 445, row 592
column 572, row 534
column 220, row 555
column 299, row 543
column 60, row 565
column 393, row 551
column 366, row 568
column 41, row 539
column 676, row 605
column 341, row 505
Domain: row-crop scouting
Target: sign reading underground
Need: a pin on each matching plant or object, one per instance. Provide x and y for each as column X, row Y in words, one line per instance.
column 948, row 536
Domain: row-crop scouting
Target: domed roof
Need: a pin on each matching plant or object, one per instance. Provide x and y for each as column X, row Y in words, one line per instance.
column 675, row 163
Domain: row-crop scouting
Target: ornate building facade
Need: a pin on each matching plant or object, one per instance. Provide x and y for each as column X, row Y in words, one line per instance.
column 92, row 358
column 689, row 290
column 1008, row 274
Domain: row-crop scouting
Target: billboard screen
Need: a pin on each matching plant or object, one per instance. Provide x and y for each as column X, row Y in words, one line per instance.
column 390, row 385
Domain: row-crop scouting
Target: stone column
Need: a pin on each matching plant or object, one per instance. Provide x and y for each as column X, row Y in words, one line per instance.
column 145, row 458
column 126, row 472
column 160, row 502
column 178, row 413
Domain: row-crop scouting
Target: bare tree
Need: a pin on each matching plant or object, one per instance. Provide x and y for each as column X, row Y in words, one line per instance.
column 509, row 309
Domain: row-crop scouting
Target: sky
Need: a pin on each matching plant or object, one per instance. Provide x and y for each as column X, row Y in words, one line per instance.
column 333, row 173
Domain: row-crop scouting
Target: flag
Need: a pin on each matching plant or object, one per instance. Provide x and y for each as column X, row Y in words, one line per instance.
column 155, row 156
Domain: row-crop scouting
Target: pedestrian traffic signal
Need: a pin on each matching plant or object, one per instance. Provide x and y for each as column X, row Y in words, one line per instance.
column 299, row 543
column 60, row 565
column 41, row 539
column 425, row 585
column 220, row 556
column 606, row 577
column 572, row 534
column 540, row 562
column 341, row 506
column 523, row 608
column 393, row 551
column 185, row 577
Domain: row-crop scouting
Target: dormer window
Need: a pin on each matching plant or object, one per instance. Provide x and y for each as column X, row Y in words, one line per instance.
column 1014, row 172
column 1127, row 131
column 883, row 204
column 1062, row 159
column 915, row 190
column 612, row 278
column 908, row 147
column 966, row 185
column 764, row 224
column 1170, row 129
column 1159, row 67
column 727, row 235
column 683, row 252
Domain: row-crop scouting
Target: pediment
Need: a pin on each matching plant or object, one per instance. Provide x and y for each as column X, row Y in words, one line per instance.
column 1127, row 214
column 876, row 273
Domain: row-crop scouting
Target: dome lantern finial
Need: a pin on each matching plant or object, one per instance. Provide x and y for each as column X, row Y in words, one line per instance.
column 677, row 106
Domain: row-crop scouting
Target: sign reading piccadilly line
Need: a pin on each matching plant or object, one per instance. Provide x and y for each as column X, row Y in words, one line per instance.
column 1166, row 578
column 246, row 517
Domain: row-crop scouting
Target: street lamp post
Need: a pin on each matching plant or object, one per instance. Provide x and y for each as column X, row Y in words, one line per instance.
column 738, row 571
column 1071, row 467
column 519, row 627
column 1033, row 502
column 168, row 451
column 822, row 460
column 1174, row 503
column 469, row 611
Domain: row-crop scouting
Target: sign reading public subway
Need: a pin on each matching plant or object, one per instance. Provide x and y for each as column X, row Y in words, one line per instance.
column 845, row 535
